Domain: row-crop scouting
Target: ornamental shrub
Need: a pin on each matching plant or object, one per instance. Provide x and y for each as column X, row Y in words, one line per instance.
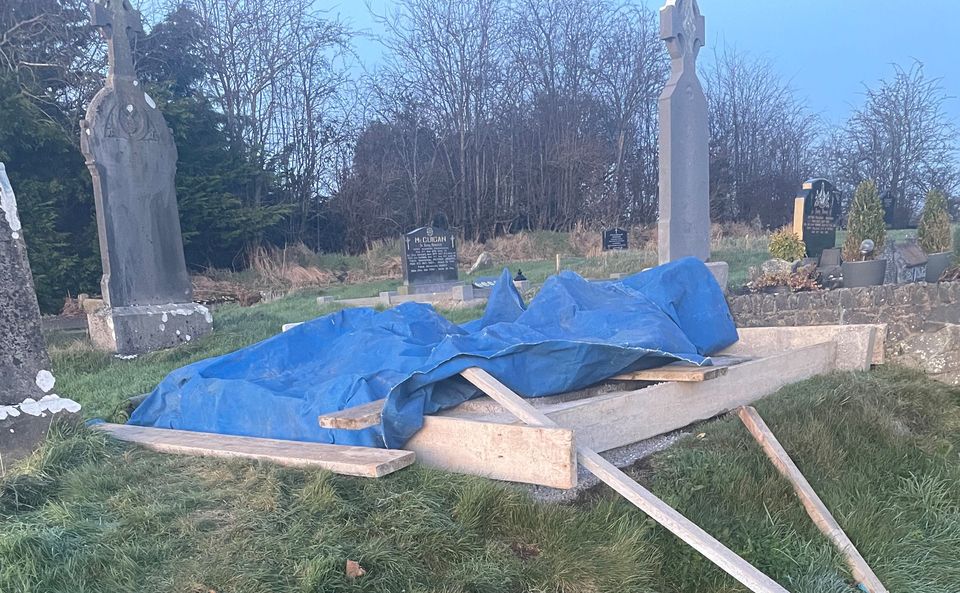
column 933, row 232
column 864, row 221
column 787, row 245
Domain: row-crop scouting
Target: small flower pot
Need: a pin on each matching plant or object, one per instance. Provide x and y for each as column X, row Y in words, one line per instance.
column 863, row 273
column 937, row 263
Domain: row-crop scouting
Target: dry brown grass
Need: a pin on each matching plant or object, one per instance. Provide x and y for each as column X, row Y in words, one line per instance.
column 294, row 267
column 383, row 260
column 581, row 241
column 71, row 307
column 281, row 267
column 587, row 242
column 519, row 247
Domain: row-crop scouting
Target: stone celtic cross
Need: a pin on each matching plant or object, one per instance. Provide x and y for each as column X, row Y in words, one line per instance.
column 682, row 28
column 684, row 217
column 133, row 161
column 116, row 19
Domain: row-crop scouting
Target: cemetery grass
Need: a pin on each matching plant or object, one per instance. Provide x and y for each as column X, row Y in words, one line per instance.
column 89, row 514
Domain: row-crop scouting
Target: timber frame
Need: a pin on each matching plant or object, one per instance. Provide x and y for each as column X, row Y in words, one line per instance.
column 541, row 440
column 629, row 408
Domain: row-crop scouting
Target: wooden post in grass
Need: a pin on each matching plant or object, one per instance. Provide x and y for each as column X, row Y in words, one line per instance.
column 642, row 498
column 811, row 502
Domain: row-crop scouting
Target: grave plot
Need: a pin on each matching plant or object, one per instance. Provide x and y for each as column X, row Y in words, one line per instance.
column 542, row 441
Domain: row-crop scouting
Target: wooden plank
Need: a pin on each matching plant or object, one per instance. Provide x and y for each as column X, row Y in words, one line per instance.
column 678, row 371
column 808, row 497
column 616, row 419
column 355, row 418
column 369, row 414
column 532, row 455
column 642, row 498
column 341, row 459
column 858, row 346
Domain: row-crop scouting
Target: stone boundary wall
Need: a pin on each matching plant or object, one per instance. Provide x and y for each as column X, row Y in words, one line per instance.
column 923, row 320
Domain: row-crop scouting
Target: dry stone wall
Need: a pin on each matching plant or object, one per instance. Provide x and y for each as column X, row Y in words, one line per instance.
column 923, row 320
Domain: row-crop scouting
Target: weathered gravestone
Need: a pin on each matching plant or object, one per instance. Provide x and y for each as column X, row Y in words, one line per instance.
column 684, row 225
column 429, row 260
column 27, row 405
column 906, row 262
column 816, row 213
column 615, row 239
column 132, row 158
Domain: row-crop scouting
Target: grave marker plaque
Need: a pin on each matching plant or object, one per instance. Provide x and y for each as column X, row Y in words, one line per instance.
column 815, row 215
column 615, row 239
column 429, row 256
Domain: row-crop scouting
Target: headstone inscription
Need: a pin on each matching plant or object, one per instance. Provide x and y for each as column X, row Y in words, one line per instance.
column 816, row 213
column 615, row 239
column 132, row 159
column 429, row 258
column 684, row 218
column 27, row 404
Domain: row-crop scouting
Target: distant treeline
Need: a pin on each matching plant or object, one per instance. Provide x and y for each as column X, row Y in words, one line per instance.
column 499, row 115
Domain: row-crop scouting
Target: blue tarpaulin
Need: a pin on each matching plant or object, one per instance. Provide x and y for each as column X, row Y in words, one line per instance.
column 574, row 333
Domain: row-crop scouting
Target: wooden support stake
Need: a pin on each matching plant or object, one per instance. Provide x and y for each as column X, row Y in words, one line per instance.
column 646, row 501
column 811, row 502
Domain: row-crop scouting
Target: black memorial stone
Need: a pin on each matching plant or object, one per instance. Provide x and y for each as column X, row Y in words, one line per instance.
column 889, row 201
column 820, row 215
column 429, row 256
column 615, row 239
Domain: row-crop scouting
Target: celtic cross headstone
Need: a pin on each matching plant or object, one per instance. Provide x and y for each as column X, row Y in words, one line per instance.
column 684, row 225
column 133, row 159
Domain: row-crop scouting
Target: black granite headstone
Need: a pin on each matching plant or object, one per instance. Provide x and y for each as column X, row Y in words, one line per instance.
column 889, row 201
column 429, row 256
column 819, row 216
column 615, row 239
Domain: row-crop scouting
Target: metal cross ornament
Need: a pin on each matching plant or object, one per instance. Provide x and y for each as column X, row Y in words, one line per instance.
column 682, row 28
column 116, row 20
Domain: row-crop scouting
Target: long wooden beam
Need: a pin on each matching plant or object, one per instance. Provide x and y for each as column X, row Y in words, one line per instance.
column 858, row 346
column 370, row 413
column 341, row 459
column 674, row 372
column 601, row 422
column 516, row 453
column 646, row 501
column 808, row 497
column 620, row 418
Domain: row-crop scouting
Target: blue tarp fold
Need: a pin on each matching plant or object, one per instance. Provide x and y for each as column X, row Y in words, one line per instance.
column 573, row 334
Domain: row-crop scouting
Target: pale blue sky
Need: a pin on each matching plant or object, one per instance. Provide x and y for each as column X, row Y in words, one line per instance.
column 827, row 49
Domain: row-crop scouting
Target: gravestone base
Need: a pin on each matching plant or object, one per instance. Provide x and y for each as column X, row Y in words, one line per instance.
column 21, row 435
column 720, row 271
column 145, row 328
column 425, row 288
